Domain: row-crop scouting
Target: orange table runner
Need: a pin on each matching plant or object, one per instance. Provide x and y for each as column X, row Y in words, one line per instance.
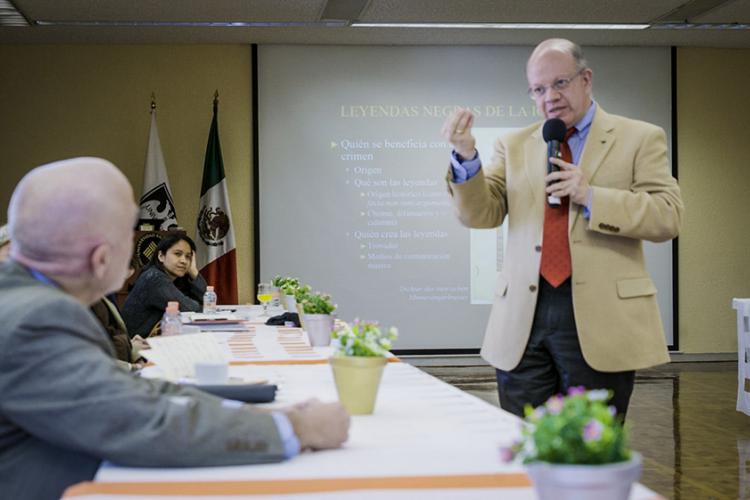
column 288, row 486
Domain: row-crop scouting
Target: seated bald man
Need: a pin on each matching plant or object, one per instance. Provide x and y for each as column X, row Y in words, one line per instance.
column 65, row 405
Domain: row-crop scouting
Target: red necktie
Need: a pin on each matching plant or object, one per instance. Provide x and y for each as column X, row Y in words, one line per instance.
column 556, row 266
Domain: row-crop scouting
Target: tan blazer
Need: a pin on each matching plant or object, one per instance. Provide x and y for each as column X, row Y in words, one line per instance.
column 634, row 198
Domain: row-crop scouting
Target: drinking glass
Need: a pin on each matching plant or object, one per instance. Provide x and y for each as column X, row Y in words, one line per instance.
column 265, row 294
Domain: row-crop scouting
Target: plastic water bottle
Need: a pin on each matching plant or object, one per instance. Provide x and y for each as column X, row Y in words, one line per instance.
column 170, row 323
column 209, row 301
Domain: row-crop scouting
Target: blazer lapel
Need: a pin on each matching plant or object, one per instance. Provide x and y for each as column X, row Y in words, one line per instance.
column 600, row 140
column 536, row 161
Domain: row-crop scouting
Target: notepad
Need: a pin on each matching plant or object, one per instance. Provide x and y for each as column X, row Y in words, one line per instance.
column 221, row 317
column 176, row 356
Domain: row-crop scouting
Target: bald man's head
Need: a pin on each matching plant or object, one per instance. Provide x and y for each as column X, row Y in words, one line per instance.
column 61, row 212
column 560, row 82
column 560, row 45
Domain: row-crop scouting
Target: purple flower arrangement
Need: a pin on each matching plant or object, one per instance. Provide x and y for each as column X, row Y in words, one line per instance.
column 579, row 428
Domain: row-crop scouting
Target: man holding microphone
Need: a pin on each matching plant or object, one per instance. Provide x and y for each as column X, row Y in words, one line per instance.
column 574, row 304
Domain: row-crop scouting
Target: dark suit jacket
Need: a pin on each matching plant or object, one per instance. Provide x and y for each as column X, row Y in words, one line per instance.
column 65, row 405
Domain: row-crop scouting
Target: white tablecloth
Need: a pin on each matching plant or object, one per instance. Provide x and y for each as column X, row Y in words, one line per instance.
column 426, row 439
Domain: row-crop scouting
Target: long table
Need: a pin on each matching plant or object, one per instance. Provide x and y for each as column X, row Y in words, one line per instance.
column 426, row 439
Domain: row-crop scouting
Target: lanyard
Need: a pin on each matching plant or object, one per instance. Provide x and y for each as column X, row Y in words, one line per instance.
column 41, row 277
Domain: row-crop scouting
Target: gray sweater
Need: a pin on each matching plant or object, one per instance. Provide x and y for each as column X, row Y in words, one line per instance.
column 145, row 304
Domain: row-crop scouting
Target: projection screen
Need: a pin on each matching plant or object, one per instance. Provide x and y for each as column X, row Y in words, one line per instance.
column 352, row 174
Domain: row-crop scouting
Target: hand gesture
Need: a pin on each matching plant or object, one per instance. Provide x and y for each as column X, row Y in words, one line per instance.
column 568, row 181
column 457, row 131
column 139, row 343
column 193, row 269
column 319, row 426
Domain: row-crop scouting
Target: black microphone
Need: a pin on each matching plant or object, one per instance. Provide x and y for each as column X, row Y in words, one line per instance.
column 554, row 133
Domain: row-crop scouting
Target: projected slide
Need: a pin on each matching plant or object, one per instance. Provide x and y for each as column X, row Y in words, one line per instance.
column 394, row 202
column 353, row 198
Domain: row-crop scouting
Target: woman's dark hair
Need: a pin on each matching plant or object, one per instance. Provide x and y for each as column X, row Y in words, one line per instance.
column 170, row 240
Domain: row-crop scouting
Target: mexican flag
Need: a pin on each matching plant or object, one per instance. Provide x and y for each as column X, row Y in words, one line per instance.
column 156, row 202
column 216, row 259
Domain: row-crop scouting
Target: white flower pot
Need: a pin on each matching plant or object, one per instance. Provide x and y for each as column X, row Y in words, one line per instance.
column 585, row 482
column 291, row 303
column 319, row 327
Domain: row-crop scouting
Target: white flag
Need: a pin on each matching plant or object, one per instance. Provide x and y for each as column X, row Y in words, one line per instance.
column 156, row 201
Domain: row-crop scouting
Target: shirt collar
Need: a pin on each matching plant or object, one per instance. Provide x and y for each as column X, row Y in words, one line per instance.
column 585, row 122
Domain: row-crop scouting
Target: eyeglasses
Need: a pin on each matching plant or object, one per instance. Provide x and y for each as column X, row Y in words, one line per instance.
column 558, row 85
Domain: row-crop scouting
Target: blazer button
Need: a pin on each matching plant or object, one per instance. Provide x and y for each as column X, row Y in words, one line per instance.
column 532, row 288
column 538, row 248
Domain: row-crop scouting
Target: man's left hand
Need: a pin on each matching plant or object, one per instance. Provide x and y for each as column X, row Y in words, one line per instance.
column 568, row 181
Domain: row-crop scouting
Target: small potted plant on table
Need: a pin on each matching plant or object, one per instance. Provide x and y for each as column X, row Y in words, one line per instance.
column 575, row 447
column 287, row 286
column 359, row 358
column 318, row 321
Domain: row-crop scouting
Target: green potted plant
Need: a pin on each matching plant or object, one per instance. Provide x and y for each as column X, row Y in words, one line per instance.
column 318, row 321
column 575, row 447
column 360, row 354
column 300, row 293
column 287, row 287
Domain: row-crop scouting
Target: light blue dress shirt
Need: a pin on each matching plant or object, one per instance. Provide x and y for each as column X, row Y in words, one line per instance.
column 287, row 435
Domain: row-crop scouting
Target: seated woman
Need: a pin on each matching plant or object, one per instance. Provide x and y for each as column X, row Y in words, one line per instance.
column 172, row 275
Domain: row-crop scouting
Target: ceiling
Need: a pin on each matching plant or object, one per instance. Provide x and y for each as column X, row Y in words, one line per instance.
column 329, row 21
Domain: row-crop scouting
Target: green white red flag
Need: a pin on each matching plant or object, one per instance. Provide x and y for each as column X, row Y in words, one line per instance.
column 214, row 240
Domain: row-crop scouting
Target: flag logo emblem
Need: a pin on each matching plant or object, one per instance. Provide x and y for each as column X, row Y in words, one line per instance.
column 213, row 225
column 145, row 248
column 157, row 205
